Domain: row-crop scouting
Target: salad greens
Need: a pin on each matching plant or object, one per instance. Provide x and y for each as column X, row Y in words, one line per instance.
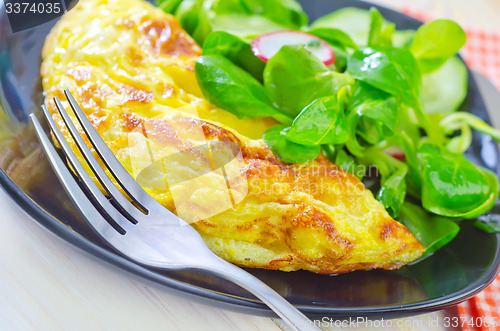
column 390, row 102
column 290, row 152
column 488, row 223
column 372, row 116
column 393, row 173
column 393, row 70
column 294, row 78
column 231, row 87
column 322, row 122
column 335, row 37
column 246, row 19
column 432, row 231
column 435, row 42
column 444, row 177
column 380, row 30
column 235, row 50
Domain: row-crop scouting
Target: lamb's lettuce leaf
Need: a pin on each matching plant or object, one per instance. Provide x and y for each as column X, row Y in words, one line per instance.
column 294, row 78
column 233, row 89
column 435, row 42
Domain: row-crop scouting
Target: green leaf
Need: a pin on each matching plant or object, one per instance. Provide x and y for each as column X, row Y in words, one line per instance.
column 488, row 223
column 188, row 14
column 334, row 37
column 464, row 122
column 236, row 50
column 294, row 77
column 393, row 191
column 313, row 44
column 375, row 113
column 286, row 12
column 329, row 151
column 168, row 6
column 459, row 144
column 453, row 186
column 233, row 89
column 433, row 232
column 377, row 119
column 456, row 120
column 340, row 59
column 286, row 150
column 393, row 173
column 438, row 39
column 205, row 24
column 380, row 32
column 363, row 92
column 414, row 181
column 394, row 71
column 347, row 163
column 321, row 122
column 435, row 42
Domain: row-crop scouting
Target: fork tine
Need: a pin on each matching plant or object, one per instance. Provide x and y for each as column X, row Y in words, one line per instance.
column 127, row 182
column 85, row 207
column 106, row 207
column 120, row 202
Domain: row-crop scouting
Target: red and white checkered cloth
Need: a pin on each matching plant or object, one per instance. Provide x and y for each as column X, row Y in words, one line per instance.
column 482, row 312
column 482, row 54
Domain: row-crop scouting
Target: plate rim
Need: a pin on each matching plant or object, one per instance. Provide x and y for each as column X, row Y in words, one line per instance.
column 254, row 306
column 230, row 302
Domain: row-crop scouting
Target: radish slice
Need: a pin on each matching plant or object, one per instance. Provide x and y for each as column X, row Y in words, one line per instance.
column 267, row 45
column 396, row 153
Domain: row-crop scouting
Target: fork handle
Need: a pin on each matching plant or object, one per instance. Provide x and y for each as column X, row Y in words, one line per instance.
column 284, row 309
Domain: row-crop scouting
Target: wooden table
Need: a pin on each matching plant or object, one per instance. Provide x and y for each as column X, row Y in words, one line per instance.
column 47, row 284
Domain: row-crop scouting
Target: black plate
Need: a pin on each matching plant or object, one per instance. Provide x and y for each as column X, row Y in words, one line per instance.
column 453, row 274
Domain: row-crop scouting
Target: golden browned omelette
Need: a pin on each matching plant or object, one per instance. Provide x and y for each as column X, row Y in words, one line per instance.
column 130, row 66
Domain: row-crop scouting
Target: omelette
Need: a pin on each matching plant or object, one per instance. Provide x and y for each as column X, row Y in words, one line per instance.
column 130, row 66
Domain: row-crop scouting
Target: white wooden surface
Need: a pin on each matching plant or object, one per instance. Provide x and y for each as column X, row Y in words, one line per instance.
column 47, row 284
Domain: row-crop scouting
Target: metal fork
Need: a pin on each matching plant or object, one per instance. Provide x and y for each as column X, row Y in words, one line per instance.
column 150, row 235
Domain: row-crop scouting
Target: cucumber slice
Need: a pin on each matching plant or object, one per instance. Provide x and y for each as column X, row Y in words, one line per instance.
column 353, row 21
column 356, row 23
column 247, row 27
column 444, row 90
